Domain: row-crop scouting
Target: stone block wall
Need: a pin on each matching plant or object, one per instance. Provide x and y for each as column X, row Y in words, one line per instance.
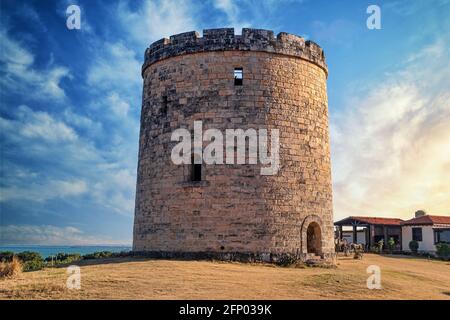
column 234, row 209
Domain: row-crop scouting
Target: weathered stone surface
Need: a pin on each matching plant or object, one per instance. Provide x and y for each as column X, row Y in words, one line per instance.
column 224, row 39
column 234, row 210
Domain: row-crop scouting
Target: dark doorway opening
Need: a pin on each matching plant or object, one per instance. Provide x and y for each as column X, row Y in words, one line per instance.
column 314, row 239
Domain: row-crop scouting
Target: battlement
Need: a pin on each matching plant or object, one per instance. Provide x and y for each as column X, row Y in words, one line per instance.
column 224, row 39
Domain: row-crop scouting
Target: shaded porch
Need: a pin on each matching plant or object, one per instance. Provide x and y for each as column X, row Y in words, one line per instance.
column 369, row 231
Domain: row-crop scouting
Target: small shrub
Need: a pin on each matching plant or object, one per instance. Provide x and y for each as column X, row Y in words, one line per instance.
column 11, row 268
column 287, row 261
column 122, row 254
column 32, row 261
column 63, row 258
column 98, row 255
column 33, row 265
column 391, row 244
column 29, row 256
column 6, row 256
column 443, row 250
column 414, row 246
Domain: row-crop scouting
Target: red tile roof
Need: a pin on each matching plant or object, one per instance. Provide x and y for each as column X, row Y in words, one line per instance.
column 373, row 220
column 428, row 220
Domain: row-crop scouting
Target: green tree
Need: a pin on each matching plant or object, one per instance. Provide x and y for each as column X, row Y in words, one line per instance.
column 391, row 244
column 443, row 250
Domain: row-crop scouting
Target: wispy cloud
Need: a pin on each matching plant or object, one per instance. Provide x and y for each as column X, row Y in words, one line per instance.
column 39, row 124
column 157, row 19
column 252, row 13
column 114, row 67
column 232, row 11
column 390, row 147
column 51, row 235
column 41, row 192
column 66, row 164
column 405, row 7
column 20, row 74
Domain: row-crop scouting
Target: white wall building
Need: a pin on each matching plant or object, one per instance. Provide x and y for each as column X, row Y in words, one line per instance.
column 427, row 230
column 360, row 236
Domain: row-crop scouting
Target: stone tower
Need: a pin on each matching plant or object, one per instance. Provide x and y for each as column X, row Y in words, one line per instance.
column 231, row 211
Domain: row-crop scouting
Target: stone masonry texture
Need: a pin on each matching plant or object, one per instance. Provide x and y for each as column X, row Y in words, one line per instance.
column 234, row 210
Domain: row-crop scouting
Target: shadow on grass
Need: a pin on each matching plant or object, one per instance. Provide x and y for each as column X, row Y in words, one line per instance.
column 112, row 260
column 412, row 257
column 139, row 258
column 394, row 256
column 343, row 258
column 102, row 261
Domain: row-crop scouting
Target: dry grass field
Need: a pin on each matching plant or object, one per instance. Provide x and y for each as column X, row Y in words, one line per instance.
column 401, row 277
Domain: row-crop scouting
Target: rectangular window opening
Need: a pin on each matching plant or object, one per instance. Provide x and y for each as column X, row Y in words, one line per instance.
column 196, row 170
column 238, row 76
column 441, row 236
column 417, row 234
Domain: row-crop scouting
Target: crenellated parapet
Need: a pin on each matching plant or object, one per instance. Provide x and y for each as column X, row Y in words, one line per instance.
column 224, row 39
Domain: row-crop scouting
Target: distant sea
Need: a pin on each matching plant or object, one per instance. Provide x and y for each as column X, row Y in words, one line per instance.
column 46, row 251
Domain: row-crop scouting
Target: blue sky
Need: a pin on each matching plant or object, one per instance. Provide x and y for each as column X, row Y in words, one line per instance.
column 70, row 102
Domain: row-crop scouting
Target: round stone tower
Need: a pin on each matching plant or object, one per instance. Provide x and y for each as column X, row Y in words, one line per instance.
column 232, row 211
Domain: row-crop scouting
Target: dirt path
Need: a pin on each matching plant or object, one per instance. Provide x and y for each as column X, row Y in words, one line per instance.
column 401, row 278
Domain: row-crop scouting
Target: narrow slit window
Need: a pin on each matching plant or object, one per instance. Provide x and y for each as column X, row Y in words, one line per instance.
column 238, row 76
column 196, row 170
column 164, row 106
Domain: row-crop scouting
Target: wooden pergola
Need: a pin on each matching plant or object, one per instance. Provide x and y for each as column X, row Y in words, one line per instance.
column 375, row 229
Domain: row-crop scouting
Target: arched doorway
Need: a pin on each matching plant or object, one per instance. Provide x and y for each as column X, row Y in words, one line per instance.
column 314, row 238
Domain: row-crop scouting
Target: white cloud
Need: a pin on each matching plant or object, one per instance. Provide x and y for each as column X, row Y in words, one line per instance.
column 232, row 12
column 116, row 191
column 37, row 125
column 43, row 191
column 70, row 188
column 390, row 149
column 94, row 128
column 51, row 235
column 231, row 9
column 20, row 75
column 435, row 50
column 247, row 13
column 157, row 19
column 43, row 126
column 117, row 105
column 105, row 176
column 16, row 58
column 116, row 67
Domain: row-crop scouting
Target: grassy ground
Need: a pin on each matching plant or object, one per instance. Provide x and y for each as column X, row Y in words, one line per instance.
column 401, row 278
